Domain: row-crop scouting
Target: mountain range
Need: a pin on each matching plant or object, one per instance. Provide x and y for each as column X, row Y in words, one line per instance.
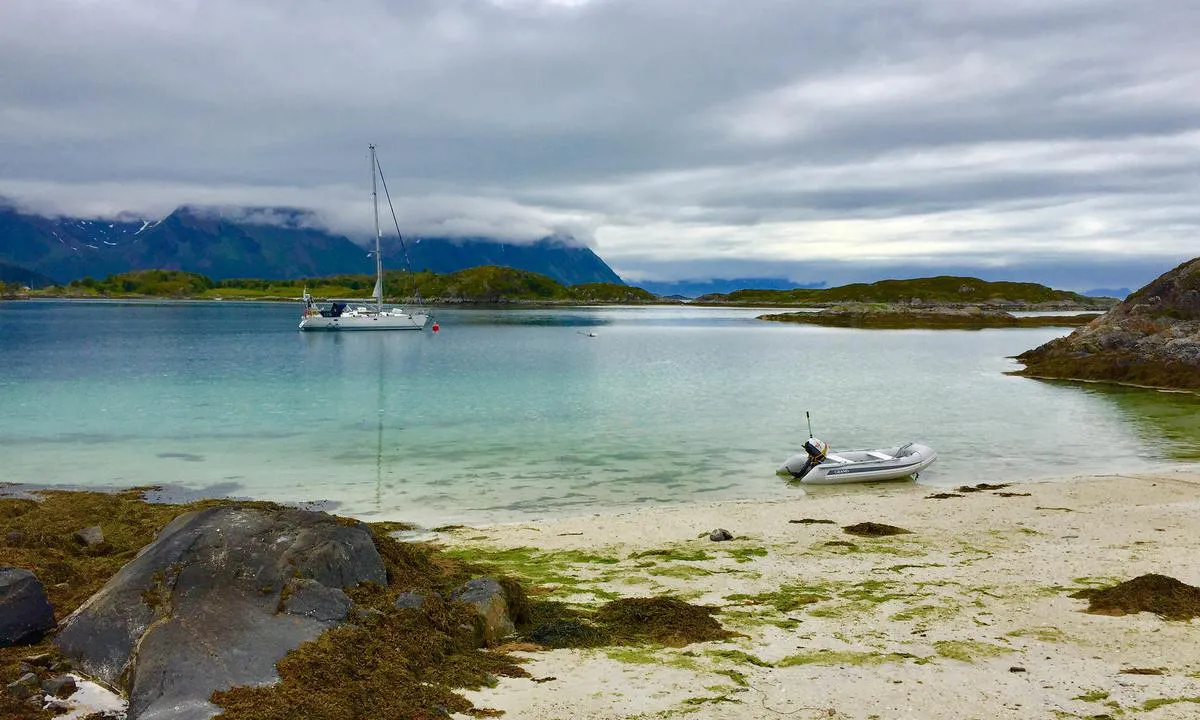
column 269, row 243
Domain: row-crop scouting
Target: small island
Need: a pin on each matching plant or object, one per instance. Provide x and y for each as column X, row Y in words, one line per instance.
column 890, row 316
column 930, row 292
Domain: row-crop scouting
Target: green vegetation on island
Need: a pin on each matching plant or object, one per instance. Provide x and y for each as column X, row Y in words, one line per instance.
column 920, row 292
column 882, row 316
column 483, row 285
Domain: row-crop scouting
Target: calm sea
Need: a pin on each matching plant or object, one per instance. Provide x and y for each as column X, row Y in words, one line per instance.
column 516, row 414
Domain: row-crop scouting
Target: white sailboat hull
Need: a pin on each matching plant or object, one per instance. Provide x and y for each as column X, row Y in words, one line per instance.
column 338, row 316
column 368, row 320
column 862, row 465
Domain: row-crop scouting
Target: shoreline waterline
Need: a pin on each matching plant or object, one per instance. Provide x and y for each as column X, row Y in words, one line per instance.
column 425, row 523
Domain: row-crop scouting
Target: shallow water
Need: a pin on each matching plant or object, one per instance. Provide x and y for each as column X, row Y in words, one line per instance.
column 515, row 414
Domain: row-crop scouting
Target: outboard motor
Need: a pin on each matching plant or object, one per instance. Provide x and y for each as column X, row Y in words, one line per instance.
column 817, row 450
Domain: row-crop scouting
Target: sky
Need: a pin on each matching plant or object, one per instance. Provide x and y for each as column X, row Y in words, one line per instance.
column 1048, row 140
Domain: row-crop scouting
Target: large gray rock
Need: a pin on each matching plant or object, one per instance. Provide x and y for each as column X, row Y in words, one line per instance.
column 200, row 609
column 25, row 612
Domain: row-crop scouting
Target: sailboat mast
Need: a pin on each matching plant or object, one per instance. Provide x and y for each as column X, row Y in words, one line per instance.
column 378, row 257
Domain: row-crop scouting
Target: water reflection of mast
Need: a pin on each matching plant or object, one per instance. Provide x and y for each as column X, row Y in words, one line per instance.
column 379, row 438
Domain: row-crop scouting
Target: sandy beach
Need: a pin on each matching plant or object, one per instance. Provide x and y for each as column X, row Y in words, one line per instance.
column 967, row 616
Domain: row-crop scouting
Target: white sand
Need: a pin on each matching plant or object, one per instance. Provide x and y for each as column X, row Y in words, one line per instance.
column 988, row 571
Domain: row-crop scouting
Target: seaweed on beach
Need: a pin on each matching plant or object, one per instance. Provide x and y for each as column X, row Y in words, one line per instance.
column 942, row 496
column 873, row 529
column 38, row 535
column 1141, row 671
column 1164, row 596
column 625, row 621
column 980, row 487
column 812, row 521
column 403, row 664
column 659, row 620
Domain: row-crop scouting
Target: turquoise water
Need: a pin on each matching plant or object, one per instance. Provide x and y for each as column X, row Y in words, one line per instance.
column 514, row 414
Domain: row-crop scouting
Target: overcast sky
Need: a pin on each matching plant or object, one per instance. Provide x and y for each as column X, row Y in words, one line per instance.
column 678, row 138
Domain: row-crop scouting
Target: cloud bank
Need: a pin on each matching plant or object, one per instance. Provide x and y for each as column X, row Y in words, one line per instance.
column 674, row 137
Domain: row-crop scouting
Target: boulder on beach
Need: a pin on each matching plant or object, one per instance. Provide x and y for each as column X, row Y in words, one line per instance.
column 218, row 597
column 501, row 605
column 25, row 612
column 1152, row 338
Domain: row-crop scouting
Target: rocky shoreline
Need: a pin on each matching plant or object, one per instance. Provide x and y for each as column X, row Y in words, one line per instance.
column 1151, row 339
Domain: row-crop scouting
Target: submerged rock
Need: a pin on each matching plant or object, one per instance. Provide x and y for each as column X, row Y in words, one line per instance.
column 1151, row 338
column 25, row 612
column 203, row 607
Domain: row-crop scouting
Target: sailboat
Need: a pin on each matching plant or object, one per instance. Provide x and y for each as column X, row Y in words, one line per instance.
column 345, row 315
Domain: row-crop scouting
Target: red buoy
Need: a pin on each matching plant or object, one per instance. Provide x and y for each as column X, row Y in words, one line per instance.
column 435, row 327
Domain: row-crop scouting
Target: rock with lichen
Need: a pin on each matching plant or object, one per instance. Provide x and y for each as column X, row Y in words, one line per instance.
column 1152, row 338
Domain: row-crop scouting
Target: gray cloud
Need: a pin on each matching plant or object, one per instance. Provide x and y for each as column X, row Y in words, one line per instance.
column 675, row 137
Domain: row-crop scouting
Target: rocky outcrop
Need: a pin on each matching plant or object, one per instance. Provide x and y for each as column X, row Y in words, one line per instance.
column 1152, row 338
column 215, row 601
column 25, row 612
